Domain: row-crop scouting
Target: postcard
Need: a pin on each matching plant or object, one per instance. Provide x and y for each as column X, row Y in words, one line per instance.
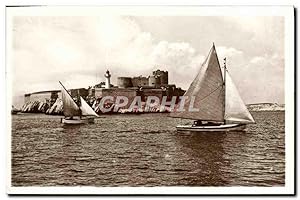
column 150, row 100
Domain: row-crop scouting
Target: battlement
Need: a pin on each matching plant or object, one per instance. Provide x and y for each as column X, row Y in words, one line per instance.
column 157, row 79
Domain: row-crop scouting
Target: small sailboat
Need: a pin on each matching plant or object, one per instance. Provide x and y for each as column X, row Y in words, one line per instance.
column 218, row 105
column 73, row 113
column 14, row 110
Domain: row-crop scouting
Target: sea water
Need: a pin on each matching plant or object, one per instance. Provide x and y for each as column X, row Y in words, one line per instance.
column 145, row 150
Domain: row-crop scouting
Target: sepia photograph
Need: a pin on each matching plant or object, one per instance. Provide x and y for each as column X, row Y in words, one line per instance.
column 150, row 100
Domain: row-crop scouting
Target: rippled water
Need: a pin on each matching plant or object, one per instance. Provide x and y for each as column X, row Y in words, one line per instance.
column 145, row 150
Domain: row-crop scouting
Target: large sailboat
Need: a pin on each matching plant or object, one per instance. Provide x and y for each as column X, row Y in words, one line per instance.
column 73, row 113
column 217, row 105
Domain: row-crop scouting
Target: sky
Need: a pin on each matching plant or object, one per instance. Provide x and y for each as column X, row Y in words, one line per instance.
column 78, row 50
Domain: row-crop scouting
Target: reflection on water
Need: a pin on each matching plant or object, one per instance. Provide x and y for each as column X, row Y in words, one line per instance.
column 207, row 153
column 145, row 150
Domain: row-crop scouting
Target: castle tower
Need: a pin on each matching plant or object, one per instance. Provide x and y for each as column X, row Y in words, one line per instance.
column 162, row 75
column 107, row 76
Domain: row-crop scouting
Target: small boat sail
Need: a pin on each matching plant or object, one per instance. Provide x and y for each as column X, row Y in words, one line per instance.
column 217, row 105
column 73, row 113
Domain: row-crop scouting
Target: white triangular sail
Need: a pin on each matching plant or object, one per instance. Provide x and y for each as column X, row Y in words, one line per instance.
column 86, row 109
column 235, row 109
column 208, row 91
column 70, row 108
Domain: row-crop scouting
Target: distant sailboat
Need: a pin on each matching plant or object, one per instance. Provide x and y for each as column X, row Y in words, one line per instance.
column 14, row 111
column 218, row 103
column 73, row 113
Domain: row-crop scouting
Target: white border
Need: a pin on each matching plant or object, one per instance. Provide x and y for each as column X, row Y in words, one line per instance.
column 151, row 11
column 286, row 11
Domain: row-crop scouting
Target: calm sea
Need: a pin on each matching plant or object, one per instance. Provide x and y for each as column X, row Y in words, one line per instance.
column 145, row 150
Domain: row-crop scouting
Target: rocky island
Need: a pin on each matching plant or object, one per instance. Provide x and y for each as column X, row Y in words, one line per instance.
column 266, row 107
column 156, row 84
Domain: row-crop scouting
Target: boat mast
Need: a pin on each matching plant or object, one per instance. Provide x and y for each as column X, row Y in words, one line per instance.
column 224, row 84
column 65, row 89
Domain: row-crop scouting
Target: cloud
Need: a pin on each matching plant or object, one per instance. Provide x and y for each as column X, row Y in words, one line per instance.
column 54, row 50
column 78, row 50
column 257, row 60
column 228, row 51
column 234, row 58
column 265, row 76
column 258, row 79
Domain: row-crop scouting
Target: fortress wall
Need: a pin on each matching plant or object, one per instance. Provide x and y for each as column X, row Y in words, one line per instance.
column 130, row 93
column 26, row 98
column 79, row 92
column 124, row 82
column 114, row 92
column 42, row 96
column 162, row 76
column 153, row 92
column 154, row 81
column 98, row 93
column 139, row 81
column 157, row 79
column 40, row 102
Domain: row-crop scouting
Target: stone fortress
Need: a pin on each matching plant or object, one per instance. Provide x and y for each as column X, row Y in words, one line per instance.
column 155, row 84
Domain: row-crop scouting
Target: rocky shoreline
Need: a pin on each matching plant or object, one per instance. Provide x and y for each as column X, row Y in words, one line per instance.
column 43, row 107
column 266, row 107
column 57, row 108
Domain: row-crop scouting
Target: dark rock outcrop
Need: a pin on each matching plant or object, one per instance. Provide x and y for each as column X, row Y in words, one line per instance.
column 43, row 107
column 35, row 107
column 56, row 108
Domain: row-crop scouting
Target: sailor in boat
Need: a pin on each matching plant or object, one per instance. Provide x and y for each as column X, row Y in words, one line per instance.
column 197, row 123
column 205, row 123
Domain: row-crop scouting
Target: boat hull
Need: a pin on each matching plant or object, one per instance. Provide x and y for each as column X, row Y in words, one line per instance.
column 77, row 121
column 14, row 112
column 215, row 128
